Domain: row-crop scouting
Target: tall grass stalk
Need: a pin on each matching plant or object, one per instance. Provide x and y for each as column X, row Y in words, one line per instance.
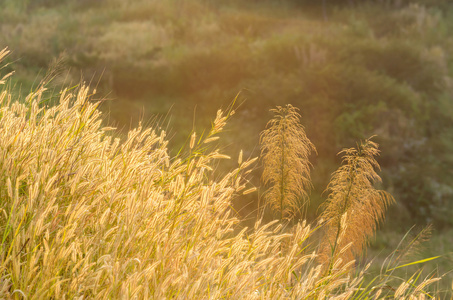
column 285, row 149
column 353, row 207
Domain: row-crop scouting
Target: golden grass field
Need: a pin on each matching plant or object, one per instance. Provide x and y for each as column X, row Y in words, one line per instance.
column 87, row 215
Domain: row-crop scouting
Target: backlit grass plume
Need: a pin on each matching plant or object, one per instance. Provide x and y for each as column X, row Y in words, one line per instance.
column 284, row 153
column 354, row 206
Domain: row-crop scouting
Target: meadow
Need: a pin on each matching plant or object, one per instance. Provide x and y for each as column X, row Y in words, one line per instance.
column 88, row 215
column 164, row 68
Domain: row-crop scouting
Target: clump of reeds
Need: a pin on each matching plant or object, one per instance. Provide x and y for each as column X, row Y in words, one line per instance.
column 354, row 206
column 285, row 149
column 86, row 215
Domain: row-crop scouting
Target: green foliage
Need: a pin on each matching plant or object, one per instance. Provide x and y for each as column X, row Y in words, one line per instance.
column 375, row 67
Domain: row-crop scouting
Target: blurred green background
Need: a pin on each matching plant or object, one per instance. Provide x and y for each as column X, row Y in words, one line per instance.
column 354, row 68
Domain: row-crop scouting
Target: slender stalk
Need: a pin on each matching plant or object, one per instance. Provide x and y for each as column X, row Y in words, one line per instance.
column 282, row 175
column 343, row 211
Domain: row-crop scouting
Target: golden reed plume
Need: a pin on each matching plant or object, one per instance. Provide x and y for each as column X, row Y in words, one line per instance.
column 284, row 152
column 354, row 207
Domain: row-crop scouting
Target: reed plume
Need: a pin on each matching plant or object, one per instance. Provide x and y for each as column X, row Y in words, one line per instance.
column 354, row 207
column 284, row 152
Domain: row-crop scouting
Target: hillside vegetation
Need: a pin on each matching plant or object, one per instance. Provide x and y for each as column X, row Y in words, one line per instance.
column 373, row 67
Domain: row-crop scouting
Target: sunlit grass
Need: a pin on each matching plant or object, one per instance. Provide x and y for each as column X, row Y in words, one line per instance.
column 85, row 214
column 367, row 69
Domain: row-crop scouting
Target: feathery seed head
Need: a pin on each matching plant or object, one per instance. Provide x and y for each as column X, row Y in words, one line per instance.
column 285, row 149
column 353, row 201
